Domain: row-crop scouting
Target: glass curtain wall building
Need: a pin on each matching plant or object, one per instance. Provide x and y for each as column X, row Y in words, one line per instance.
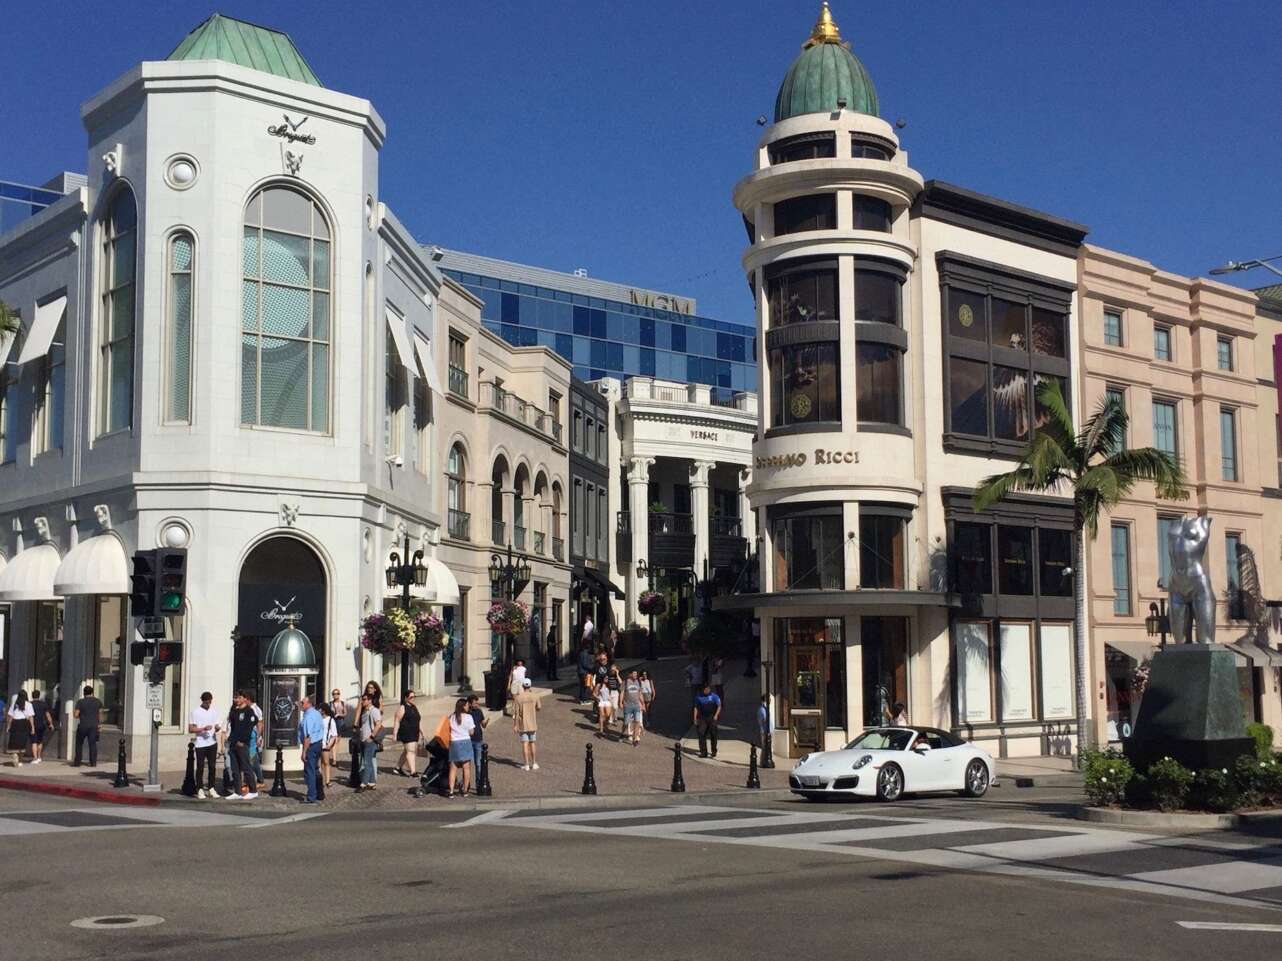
column 18, row 201
column 607, row 329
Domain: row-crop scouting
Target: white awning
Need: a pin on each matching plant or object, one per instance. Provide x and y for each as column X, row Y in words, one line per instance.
column 45, row 325
column 427, row 363
column 443, row 580
column 94, row 566
column 29, row 576
column 401, row 338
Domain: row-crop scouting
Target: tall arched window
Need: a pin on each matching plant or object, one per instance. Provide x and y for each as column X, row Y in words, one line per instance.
column 285, row 359
column 457, row 518
column 116, row 333
column 178, row 332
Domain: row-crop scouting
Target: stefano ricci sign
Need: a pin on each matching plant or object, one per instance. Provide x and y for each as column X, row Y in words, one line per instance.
column 800, row 459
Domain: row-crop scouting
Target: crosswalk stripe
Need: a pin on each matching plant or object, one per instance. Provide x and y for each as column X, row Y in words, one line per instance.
column 1068, row 845
column 1231, row 877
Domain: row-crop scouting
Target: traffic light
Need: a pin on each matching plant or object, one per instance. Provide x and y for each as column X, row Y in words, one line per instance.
column 171, row 567
column 156, row 673
column 169, row 652
column 139, row 652
column 142, row 599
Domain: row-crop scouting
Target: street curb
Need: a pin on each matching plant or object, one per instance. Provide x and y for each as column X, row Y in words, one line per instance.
column 112, row 796
column 1043, row 780
column 618, row 800
column 1157, row 819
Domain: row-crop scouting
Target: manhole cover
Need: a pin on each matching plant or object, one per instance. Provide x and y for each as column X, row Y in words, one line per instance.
column 115, row 921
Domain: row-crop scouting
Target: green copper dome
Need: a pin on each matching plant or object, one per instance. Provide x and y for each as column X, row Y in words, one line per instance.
column 825, row 72
column 245, row 44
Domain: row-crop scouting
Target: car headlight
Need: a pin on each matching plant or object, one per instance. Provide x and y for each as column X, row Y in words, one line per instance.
column 862, row 762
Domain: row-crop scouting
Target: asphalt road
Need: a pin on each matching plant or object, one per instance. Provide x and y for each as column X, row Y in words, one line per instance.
column 766, row 880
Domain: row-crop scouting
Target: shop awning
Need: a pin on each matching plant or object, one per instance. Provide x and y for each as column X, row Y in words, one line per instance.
column 443, row 580
column 401, row 338
column 1257, row 655
column 865, row 598
column 45, row 325
column 1136, row 650
column 427, row 363
column 94, row 566
column 29, row 576
column 596, row 581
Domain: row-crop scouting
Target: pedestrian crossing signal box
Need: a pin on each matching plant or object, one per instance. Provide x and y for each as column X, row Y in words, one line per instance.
column 171, row 587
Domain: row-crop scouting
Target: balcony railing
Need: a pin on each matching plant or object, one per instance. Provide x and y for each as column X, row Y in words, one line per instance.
column 498, row 532
column 458, row 381
column 518, row 537
column 558, row 549
column 540, row 543
column 623, row 522
column 669, row 392
column 726, row 526
column 662, row 523
column 520, row 410
column 460, row 524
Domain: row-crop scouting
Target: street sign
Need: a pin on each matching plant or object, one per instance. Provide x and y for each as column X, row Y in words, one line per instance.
column 151, row 626
column 155, row 696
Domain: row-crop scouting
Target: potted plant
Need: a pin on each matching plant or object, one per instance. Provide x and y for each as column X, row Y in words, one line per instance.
column 652, row 602
column 388, row 633
column 508, row 617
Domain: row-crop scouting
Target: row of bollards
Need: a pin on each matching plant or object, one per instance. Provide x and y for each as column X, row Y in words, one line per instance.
column 678, row 776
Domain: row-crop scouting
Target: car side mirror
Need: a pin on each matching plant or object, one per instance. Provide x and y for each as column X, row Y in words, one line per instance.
column 922, row 748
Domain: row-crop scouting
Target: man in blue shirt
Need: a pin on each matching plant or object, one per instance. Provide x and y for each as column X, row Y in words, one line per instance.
column 311, row 735
column 707, row 711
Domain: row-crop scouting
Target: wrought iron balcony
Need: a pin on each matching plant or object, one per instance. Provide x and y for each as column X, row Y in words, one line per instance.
column 540, row 543
column 498, row 532
column 726, row 526
column 558, row 549
column 458, row 381
column 518, row 537
column 459, row 524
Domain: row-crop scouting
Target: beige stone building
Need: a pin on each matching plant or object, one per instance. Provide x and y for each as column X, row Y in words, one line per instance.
column 1192, row 362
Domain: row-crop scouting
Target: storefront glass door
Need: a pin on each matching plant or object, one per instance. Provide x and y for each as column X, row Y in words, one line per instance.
column 884, row 641
column 47, row 669
column 110, row 638
column 807, row 697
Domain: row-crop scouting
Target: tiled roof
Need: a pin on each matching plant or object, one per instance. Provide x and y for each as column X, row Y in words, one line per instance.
column 246, row 44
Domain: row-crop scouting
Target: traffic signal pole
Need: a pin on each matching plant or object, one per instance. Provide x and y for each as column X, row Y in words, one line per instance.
column 153, row 763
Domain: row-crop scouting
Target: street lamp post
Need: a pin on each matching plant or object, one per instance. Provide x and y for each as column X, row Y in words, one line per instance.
column 411, row 573
column 508, row 571
column 1233, row 266
column 1157, row 623
column 646, row 571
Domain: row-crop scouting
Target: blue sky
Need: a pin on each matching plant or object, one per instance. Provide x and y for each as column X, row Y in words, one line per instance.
column 608, row 135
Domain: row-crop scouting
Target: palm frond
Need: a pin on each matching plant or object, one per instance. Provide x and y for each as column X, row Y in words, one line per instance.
column 1150, row 464
column 1000, row 486
column 1059, row 423
column 1105, row 432
column 10, row 321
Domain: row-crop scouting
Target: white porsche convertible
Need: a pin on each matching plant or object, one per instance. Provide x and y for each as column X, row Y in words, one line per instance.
column 887, row 762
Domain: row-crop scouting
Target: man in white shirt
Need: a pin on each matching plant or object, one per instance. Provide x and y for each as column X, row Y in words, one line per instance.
column 589, row 630
column 204, row 723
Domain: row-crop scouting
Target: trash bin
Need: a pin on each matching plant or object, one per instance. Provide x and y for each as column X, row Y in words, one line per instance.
column 494, row 693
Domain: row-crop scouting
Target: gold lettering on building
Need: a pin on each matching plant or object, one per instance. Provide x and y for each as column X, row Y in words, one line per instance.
column 822, row 456
column 646, row 298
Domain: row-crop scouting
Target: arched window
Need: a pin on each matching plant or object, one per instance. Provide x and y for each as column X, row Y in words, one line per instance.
column 458, row 519
column 178, row 334
column 285, row 356
column 116, row 332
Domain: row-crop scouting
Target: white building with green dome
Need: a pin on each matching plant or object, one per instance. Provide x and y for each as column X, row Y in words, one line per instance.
column 228, row 343
column 904, row 325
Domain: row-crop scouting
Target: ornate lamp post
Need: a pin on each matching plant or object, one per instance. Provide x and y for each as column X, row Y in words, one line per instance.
column 646, row 571
column 509, row 570
column 1157, row 623
column 411, row 573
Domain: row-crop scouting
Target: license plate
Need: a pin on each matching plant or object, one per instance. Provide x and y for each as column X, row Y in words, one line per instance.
column 809, row 780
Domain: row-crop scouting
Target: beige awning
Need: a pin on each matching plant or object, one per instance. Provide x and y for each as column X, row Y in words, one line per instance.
column 29, row 576
column 43, row 327
column 443, row 580
column 94, row 566
column 427, row 362
column 401, row 338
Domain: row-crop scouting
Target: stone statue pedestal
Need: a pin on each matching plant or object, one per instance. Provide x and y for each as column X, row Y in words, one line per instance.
column 1191, row 710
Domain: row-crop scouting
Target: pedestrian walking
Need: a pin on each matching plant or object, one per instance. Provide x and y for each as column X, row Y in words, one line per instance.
column 479, row 723
column 706, row 714
column 338, row 711
column 694, row 678
column 19, row 725
column 600, row 671
column 41, row 721
column 589, row 632
column 311, row 736
column 614, row 684
column 204, row 724
column 328, row 761
column 87, row 712
column 242, row 724
column 256, row 740
column 371, row 727
column 633, row 707
column 553, row 654
column 462, row 727
column 525, row 724
column 586, row 666
column 763, row 721
column 603, row 716
column 407, row 723
column 648, row 692
column 516, row 677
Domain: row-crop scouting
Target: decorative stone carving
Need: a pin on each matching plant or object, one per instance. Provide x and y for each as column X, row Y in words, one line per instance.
column 289, row 511
column 102, row 514
column 114, row 160
column 41, row 525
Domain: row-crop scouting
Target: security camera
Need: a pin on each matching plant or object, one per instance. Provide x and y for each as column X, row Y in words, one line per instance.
column 396, row 461
column 437, row 252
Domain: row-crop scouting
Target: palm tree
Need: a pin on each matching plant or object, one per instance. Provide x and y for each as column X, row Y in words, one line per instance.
column 1099, row 471
column 9, row 319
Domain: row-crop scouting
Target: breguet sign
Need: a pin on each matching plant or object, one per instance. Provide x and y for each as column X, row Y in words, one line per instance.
column 800, row 459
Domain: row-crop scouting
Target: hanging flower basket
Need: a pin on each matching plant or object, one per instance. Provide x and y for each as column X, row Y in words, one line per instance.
column 508, row 617
column 429, row 633
column 388, row 633
column 652, row 602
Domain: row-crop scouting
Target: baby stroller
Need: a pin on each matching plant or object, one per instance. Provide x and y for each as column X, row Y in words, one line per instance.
column 436, row 773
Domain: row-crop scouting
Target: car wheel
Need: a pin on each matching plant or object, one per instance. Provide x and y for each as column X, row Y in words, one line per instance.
column 976, row 779
column 890, row 783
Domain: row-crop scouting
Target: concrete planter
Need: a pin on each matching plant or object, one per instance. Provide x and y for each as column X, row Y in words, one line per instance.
column 1158, row 819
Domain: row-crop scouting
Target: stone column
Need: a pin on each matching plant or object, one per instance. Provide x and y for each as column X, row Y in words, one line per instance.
column 699, row 505
column 639, row 508
column 747, row 519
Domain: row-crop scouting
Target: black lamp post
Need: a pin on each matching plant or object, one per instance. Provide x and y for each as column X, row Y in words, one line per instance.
column 412, row 573
column 508, row 571
column 646, row 571
column 1157, row 623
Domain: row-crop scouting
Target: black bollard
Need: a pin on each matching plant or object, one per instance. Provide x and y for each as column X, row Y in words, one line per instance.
column 278, row 782
column 589, row 778
column 189, row 782
column 483, row 788
column 767, row 755
column 678, row 780
column 354, row 781
column 122, row 776
column 754, row 779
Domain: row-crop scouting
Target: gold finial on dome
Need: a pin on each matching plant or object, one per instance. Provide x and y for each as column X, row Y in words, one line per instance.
column 825, row 30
